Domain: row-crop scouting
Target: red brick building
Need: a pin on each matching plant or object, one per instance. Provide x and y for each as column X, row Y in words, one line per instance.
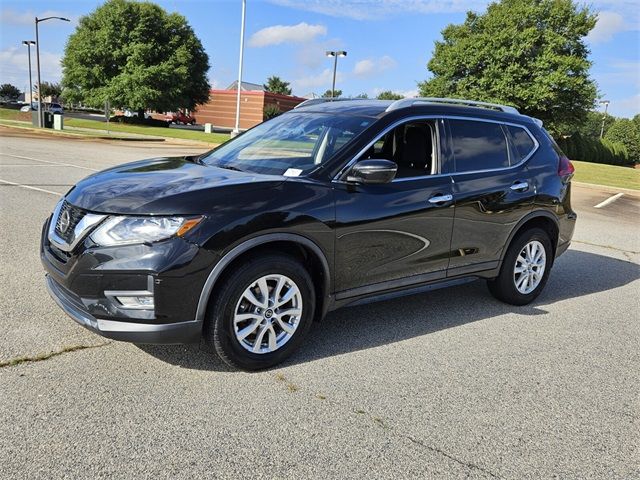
column 220, row 111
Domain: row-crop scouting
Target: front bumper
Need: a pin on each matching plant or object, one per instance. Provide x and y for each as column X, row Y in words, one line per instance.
column 170, row 333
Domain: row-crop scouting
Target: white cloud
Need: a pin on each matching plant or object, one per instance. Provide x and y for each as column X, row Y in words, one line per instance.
column 14, row 65
column 277, row 34
column 380, row 9
column 322, row 80
column 369, row 66
column 609, row 23
column 9, row 16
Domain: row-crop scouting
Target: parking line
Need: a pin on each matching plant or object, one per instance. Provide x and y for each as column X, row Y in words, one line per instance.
column 49, row 161
column 7, row 182
column 609, row 200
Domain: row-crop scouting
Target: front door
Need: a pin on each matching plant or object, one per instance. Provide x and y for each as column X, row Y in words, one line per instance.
column 395, row 234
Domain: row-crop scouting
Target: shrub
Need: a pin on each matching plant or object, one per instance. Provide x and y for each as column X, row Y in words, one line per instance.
column 625, row 131
column 271, row 111
column 149, row 122
column 594, row 150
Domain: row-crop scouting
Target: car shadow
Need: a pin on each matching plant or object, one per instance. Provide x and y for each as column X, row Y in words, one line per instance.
column 351, row 329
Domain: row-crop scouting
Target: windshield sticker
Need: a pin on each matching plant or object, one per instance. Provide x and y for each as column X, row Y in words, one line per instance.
column 292, row 172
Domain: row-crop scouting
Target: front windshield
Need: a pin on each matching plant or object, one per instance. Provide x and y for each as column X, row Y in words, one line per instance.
column 292, row 144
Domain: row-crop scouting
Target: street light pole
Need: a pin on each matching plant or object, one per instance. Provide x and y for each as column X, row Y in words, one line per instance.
column 28, row 43
column 38, row 20
column 335, row 55
column 236, row 130
column 604, row 117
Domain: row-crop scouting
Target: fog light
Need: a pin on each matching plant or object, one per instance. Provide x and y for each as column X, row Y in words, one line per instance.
column 145, row 302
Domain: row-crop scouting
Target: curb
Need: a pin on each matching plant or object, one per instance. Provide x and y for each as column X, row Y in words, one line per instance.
column 607, row 188
column 132, row 139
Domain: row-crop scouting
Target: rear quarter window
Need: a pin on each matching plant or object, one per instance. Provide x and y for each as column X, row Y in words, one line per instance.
column 522, row 142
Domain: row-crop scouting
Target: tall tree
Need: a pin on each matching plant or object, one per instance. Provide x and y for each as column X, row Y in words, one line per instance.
column 9, row 92
column 135, row 55
column 592, row 125
column 389, row 95
column 527, row 53
column 277, row 85
column 336, row 94
column 49, row 89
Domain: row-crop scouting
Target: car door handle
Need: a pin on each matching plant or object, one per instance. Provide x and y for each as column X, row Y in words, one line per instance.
column 441, row 199
column 520, row 187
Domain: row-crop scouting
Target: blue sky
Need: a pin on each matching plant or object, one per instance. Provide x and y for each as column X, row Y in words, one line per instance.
column 388, row 41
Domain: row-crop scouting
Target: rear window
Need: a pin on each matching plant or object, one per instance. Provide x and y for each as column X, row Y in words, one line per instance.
column 478, row 145
column 522, row 142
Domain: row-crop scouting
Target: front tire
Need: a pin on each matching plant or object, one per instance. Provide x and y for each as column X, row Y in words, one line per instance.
column 261, row 313
column 525, row 268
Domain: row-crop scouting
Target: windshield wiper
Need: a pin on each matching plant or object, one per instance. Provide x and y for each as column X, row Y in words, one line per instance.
column 229, row 167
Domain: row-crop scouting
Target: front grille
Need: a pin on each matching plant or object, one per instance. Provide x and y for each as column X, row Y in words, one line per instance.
column 70, row 216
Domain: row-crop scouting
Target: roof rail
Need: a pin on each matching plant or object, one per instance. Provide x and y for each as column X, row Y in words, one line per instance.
column 407, row 102
column 316, row 101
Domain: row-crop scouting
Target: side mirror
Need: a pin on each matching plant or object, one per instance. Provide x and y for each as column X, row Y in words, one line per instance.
column 372, row 172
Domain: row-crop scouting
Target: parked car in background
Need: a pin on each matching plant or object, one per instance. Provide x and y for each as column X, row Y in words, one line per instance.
column 29, row 108
column 46, row 107
column 330, row 204
column 180, row 117
column 132, row 113
column 53, row 108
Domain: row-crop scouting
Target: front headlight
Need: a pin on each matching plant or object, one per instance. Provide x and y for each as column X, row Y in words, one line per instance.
column 127, row 230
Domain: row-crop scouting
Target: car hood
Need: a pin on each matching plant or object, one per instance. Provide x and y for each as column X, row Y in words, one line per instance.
column 164, row 186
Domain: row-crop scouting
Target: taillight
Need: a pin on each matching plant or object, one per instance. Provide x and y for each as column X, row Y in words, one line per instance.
column 565, row 167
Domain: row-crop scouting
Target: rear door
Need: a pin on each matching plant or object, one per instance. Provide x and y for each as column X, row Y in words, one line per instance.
column 491, row 186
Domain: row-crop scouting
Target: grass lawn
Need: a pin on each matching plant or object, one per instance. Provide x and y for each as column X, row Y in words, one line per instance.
column 10, row 114
column 622, row 177
column 155, row 131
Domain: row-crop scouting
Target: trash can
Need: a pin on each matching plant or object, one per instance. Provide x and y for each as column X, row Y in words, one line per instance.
column 48, row 120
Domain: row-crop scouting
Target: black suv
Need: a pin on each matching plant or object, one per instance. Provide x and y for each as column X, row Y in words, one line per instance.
column 329, row 204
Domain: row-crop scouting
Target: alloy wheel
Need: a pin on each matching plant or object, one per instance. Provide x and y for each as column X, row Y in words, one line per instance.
column 529, row 268
column 267, row 314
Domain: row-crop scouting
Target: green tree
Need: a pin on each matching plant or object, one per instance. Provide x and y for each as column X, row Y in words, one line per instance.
column 592, row 125
column 49, row 89
column 362, row 96
column 9, row 92
column 389, row 95
column 527, row 53
column 277, row 85
column 135, row 55
column 336, row 94
column 636, row 120
column 626, row 132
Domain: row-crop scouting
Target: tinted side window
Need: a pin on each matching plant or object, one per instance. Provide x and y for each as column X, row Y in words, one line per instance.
column 521, row 141
column 478, row 145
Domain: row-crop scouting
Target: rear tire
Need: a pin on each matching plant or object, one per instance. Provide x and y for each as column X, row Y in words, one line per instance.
column 525, row 268
column 252, row 330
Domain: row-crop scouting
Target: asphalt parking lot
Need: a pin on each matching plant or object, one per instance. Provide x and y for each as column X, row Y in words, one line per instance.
column 449, row 384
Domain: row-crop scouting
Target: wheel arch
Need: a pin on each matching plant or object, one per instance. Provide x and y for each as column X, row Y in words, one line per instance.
column 540, row 219
column 273, row 242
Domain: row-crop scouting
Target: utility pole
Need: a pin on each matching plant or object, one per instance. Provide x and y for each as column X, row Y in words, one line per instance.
column 236, row 130
column 604, row 117
column 335, row 55
column 28, row 43
column 38, row 20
